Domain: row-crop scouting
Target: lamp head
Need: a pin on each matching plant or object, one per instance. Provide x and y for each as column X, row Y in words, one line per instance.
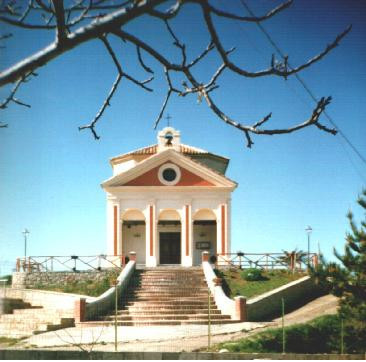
column 309, row 229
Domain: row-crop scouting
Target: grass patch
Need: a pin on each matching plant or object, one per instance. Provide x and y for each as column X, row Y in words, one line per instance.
column 91, row 287
column 234, row 283
column 321, row 335
column 10, row 341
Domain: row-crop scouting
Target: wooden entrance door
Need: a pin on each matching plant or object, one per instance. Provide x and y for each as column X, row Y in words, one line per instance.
column 169, row 248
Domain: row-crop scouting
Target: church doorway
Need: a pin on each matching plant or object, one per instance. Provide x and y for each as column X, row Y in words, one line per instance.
column 169, row 247
column 169, row 233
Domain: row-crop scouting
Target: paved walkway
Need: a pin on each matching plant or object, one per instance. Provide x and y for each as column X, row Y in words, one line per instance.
column 128, row 336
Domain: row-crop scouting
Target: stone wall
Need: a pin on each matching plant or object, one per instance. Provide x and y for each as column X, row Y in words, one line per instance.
column 61, row 302
column 40, row 280
column 268, row 305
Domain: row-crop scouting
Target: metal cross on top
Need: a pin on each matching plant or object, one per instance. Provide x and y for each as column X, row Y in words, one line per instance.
column 168, row 118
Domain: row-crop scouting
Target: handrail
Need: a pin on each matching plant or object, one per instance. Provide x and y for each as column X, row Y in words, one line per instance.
column 73, row 263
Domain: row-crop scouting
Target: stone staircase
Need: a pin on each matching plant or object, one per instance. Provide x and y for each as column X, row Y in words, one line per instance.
column 167, row 296
column 22, row 319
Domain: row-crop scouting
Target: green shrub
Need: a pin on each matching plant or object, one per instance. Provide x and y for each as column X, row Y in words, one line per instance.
column 322, row 335
column 8, row 279
column 252, row 274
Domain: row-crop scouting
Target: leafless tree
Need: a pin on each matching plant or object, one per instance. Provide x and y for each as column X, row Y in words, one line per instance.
column 78, row 21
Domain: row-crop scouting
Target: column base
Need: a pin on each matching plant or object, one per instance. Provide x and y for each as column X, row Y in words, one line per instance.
column 187, row 261
column 151, row 261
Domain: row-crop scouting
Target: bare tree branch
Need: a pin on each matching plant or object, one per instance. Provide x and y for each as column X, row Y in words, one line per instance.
column 272, row 70
column 11, row 97
column 313, row 120
column 139, row 56
column 170, row 13
column 93, row 31
column 248, row 18
column 171, row 89
column 210, row 47
column 21, row 24
column 26, row 11
column 106, row 103
column 60, row 21
column 177, row 43
column 98, row 18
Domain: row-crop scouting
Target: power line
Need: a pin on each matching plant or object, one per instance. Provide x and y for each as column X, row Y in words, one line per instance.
column 305, row 86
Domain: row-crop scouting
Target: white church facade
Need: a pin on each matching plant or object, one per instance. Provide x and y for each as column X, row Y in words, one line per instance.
column 168, row 202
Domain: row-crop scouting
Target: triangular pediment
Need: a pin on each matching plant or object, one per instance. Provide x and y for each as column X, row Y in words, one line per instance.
column 149, row 173
column 151, row 177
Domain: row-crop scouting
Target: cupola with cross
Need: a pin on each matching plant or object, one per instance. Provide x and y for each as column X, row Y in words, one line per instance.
column 168, row 202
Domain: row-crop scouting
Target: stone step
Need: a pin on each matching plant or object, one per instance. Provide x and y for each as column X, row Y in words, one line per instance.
column 38, row 318
column 167, row 294
column 167, row 284
column 167, row 277
column 154, row 323
column 145, row 311
column 176, row 287
column 168, row 280
column 170, row 272
column 173, row 300
column 166, row 301
column 27, row 312
column 28, row 326
column 157, row 303
column 138, row 317
column 165, row 274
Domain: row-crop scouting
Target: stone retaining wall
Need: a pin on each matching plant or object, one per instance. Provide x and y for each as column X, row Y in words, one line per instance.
column 40, row 279
column 27, row 354
column 268, row 305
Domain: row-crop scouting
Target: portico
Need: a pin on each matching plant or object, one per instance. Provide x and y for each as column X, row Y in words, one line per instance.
column 168, row 202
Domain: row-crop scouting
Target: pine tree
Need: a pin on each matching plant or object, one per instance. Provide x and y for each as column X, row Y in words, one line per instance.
column 347, row 280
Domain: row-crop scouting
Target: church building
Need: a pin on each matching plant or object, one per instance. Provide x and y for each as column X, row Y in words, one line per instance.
column 168, row 202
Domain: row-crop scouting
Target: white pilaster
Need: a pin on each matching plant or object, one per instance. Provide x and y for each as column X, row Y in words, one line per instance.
column 113, row 226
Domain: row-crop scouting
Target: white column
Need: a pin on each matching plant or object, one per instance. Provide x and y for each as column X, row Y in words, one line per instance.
column 222, row 228
column 151, row 234
column 187, row 235
column 228, row 226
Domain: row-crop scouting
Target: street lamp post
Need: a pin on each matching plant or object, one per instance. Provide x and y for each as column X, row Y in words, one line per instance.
column 308, row 231
column 25, row 232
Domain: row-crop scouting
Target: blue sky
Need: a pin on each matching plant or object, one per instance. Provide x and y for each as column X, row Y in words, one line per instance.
column 50, row 172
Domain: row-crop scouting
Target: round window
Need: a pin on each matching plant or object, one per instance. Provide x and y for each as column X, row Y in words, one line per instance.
column 169, row 174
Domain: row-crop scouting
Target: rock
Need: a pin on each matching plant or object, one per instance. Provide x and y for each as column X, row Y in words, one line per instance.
column 223, row 350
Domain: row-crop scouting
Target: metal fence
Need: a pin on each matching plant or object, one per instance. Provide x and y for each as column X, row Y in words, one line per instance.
column 69, row 263
column 267, row 261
